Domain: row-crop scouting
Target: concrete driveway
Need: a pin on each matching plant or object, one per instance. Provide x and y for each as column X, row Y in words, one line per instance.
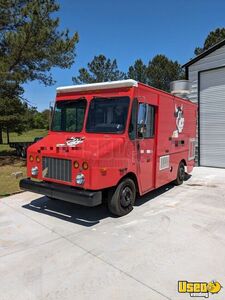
column 56, row 250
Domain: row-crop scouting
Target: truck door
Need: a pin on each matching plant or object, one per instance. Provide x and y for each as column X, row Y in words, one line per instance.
column 145, row 141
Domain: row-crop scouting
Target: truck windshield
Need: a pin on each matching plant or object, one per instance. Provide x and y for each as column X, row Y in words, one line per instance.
column 69, row 115
column 108, row 115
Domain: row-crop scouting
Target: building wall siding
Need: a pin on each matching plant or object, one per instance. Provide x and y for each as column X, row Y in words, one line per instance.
column 213, row 60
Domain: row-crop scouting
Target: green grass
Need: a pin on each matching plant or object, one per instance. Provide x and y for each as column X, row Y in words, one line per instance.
column 9, row 163
column 27, row 136
column 4, row 149
column 9, row 184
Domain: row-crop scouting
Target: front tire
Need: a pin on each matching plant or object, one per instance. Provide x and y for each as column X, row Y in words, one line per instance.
column 180, row 174
column 121, row 200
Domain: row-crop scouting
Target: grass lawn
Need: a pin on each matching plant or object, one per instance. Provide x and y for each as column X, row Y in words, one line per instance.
column 24, row 137
column 27, row 136
column 9, row 184
column 9, row 163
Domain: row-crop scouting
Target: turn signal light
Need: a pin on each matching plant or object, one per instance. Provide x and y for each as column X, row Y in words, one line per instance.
column 31, row 158
column 85, row 165
column 76, row 164
column 103, row 171
column 38, row 159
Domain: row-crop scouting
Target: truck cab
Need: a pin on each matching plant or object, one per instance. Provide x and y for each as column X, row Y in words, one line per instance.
column 103, row 142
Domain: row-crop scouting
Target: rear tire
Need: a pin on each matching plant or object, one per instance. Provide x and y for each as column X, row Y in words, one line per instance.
column 180, row 174
column 121, row 199
column 18, row 151
column 23, row 152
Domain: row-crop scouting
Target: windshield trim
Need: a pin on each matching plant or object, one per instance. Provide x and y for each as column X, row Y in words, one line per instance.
column 70, row 100
column 109, row 132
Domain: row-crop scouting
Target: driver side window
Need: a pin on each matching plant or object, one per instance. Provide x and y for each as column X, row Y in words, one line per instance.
column 146, row 120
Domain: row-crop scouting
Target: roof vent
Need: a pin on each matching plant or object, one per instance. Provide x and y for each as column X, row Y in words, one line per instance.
column 180, row 88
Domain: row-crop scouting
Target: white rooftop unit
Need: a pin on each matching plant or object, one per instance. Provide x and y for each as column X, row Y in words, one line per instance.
column 97, row 86
column 180, row 88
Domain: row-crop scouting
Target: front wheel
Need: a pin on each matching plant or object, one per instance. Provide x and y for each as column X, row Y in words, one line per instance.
column 121, row 200
column 180, row 174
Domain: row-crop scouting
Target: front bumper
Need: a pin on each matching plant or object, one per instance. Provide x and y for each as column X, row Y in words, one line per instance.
column 62, row 192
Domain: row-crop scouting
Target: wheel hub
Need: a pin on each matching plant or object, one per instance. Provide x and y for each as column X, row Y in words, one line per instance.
column 126, row 197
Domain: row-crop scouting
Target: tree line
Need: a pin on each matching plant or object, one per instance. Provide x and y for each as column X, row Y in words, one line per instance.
column 159, row 71
column 19, row 117
column 31, row 44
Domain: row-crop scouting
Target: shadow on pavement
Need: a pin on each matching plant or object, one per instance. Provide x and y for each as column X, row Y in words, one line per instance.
column 70, row 212
column 153, row 194
column 86, row 216
column 157, row 192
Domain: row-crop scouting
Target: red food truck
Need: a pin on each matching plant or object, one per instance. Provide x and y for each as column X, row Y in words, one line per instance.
column 114, row 141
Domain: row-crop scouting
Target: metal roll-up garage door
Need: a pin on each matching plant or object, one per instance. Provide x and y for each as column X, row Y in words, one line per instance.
column 212, row 118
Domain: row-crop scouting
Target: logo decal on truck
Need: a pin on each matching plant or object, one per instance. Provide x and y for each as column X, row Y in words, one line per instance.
column 179, row 115
column 72, row 142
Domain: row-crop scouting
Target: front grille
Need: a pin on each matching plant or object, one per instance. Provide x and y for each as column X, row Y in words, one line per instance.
column 56, row 168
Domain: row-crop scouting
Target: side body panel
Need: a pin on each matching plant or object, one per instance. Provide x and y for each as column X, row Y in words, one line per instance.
column 173, row 141
column 175, row 137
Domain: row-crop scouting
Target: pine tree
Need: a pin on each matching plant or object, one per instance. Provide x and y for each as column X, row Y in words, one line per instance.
column 138, row 71
column 213, row 38
column 100, row 69
column 30, row 45
column 161, row 71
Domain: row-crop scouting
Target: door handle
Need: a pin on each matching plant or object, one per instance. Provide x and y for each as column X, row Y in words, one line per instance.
column 138, row 146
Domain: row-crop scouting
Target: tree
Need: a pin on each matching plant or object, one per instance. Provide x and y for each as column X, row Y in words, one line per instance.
column 29, row 117
column 11, row 108
column 46, row 113
column 31, row 44
column 100, row 69
column 12, row 115
column 138, row 71
column 161, row 71
column 41, row 119
column 30, row 41
column 213, row 38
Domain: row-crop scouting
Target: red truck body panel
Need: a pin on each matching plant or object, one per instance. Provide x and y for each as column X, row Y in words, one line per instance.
column 152, row 161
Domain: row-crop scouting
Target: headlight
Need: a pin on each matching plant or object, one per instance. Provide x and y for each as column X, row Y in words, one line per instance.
column 31, row 158
column 34, row 171
column 80, row 179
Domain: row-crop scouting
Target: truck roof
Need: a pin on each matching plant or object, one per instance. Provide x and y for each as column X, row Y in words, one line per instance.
column 98, row 86
column 127, row 83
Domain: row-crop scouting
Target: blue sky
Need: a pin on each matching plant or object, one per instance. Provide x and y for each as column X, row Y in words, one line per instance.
column 128, row 30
